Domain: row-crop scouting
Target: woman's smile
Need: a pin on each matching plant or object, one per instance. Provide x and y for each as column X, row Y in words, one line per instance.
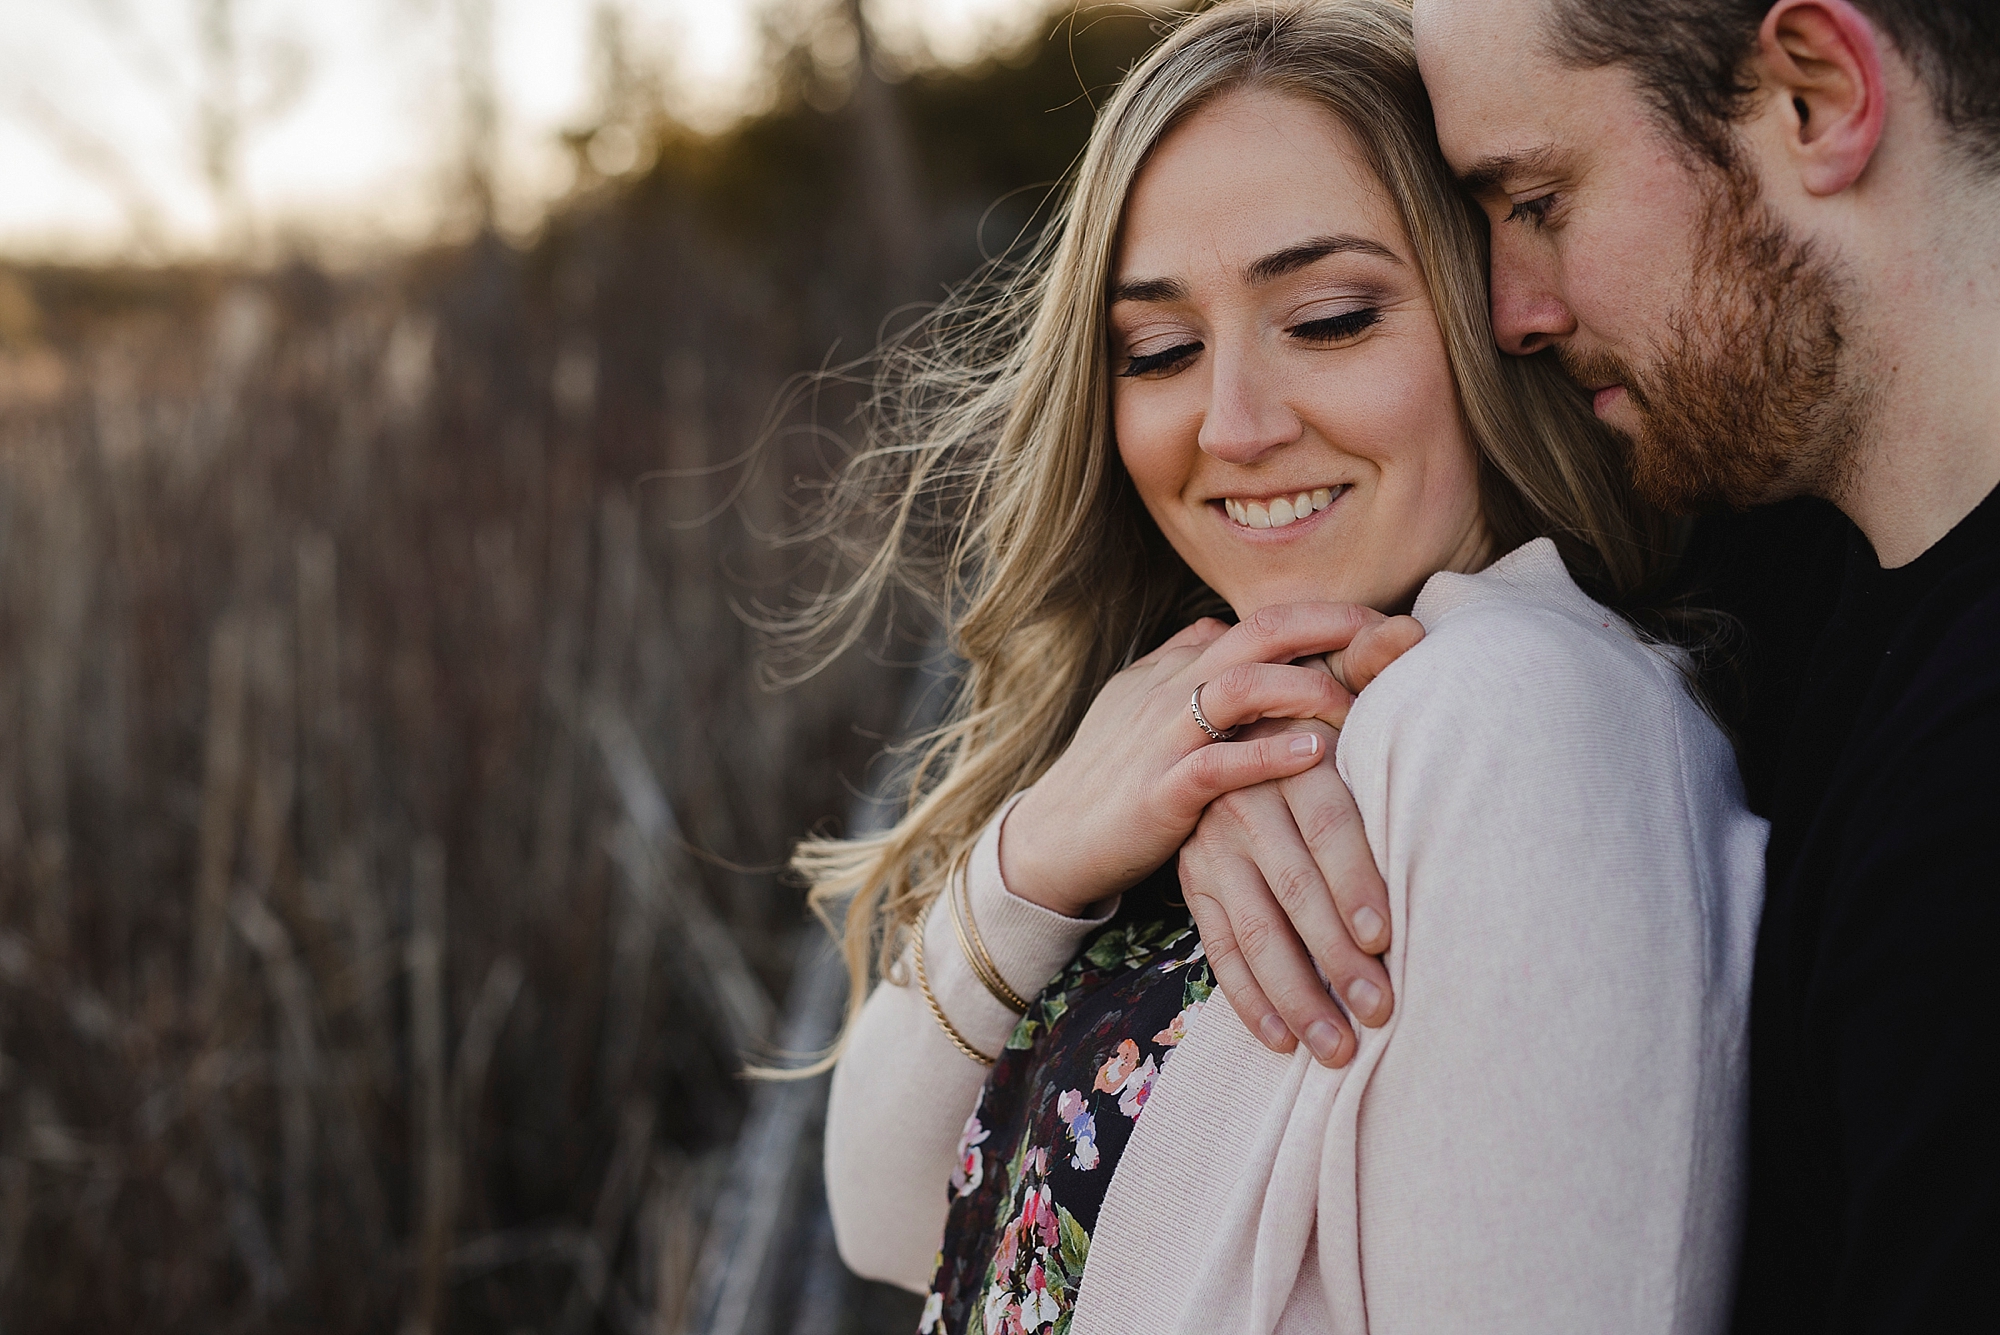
column 1282, row 398
column 1262, row 514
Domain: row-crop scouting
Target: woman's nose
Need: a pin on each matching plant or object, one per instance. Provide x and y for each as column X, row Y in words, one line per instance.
column 1247, row 416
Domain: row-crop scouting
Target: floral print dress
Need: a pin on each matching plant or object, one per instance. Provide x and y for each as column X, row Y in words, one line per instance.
column 1055, row 1115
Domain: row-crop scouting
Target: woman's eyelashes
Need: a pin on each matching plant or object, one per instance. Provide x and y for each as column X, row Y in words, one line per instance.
column 1336, row 328
column 1320, row 333
column 1154, row 362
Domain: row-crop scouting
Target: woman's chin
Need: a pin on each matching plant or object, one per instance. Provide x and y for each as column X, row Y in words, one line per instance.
column 1389, row 594
column 1272, row 595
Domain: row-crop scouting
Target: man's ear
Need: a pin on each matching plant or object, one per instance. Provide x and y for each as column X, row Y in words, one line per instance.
column 1825, row 60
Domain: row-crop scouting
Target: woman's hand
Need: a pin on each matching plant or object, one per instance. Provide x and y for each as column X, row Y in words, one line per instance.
column 1135, row 779
column 1280, row 876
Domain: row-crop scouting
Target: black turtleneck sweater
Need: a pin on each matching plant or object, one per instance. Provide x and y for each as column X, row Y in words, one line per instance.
column 1874, row 1184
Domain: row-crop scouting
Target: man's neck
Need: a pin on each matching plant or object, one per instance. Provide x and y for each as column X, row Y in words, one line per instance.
column 1929, row 347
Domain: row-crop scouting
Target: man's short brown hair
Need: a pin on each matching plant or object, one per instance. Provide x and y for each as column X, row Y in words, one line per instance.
column 1691, row 58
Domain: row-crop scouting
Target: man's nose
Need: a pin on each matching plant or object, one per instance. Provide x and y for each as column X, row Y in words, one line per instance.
column 1247, row 414
column 1529, row 312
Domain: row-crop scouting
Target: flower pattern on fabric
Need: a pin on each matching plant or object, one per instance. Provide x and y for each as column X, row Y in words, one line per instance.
column 970, row 1170
column 1055, row 1115
column 1171, row 1036
column 1127, row 1077
column 1082, row 1127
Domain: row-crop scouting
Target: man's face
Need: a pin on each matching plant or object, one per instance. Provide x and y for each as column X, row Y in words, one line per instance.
column 1704, row 333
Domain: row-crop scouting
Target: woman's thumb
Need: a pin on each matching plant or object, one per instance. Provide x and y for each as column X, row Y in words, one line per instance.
column 1373, row 648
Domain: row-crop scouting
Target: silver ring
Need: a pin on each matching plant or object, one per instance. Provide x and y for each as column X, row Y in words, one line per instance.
column 1194, row 707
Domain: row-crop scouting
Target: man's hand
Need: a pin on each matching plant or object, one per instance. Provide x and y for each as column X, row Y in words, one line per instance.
column 1280, row 875
column 1130, row 786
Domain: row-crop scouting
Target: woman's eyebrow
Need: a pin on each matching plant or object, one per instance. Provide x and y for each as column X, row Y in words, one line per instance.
column 1275, row 265
column 1293, row 258
column 1150, row 289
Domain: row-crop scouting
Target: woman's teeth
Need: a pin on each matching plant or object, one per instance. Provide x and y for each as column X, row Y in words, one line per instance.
column 1282, row 511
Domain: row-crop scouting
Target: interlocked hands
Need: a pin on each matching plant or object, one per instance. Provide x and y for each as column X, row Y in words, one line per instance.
column 1275, row 868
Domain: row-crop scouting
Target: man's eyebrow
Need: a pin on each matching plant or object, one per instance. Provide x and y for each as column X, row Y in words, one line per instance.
column 1487, row 175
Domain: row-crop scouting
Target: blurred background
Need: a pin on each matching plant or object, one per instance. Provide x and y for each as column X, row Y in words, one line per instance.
column 397, row 400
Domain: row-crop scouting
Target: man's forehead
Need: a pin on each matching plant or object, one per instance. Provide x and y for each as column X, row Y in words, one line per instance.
column 1478, row 28
column 1489, row 75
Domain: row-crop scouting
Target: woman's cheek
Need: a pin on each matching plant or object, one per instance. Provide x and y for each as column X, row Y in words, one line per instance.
column 1149, row 451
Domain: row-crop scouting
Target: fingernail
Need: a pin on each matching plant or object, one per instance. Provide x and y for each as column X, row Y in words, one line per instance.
column 1364, row 996
column 1274, row 1031
column 1306, row 744
column 1368, row 926
column 1324, row 1040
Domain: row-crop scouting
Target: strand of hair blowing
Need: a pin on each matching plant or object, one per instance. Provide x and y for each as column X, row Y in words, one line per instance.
column 989, row 488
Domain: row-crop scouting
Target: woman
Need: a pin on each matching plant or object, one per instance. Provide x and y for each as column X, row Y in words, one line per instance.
column 1253, row 363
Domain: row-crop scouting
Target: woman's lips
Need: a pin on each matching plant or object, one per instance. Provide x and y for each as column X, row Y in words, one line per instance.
column 1283, row 512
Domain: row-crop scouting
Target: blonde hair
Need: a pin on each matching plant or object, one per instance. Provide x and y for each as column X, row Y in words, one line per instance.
column 993, row 490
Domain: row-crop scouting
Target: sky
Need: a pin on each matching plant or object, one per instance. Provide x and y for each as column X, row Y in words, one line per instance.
column 350, row 110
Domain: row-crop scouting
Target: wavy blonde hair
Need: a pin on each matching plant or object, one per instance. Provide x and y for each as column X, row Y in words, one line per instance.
column 991, row 486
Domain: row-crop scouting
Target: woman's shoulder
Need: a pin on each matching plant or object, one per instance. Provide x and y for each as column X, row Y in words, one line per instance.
column 1518, row 659
column 1524, row 617
column 1532, row 730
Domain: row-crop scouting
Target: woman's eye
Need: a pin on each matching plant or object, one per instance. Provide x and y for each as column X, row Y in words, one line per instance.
column 1534, row 212
column 1154, row 362
column 1336, row 328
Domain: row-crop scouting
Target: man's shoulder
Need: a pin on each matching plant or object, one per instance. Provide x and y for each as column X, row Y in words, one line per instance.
column 1965, row 657
column 1949, row 692
column 1916, row 794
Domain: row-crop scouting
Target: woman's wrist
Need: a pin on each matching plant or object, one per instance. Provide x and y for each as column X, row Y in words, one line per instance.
column 1022, row 873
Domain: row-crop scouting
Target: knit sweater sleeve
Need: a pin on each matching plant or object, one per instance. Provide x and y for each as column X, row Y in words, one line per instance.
column 1550, row 1140
column 902, row 1092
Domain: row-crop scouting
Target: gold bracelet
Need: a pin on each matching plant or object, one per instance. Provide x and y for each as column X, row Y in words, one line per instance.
column 983, row 967
column 937, row 1011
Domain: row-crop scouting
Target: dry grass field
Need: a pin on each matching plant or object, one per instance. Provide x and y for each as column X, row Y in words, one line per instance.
column 390, row 799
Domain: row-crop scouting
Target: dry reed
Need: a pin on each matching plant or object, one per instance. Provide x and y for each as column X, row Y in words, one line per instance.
column 380, row 758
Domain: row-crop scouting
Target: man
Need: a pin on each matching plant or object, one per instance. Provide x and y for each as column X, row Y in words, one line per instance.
column 1766, row 239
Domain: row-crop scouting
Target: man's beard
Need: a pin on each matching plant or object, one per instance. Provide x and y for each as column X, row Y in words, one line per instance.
column 1746, row 402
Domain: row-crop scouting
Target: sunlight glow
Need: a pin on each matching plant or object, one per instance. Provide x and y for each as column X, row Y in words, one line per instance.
column 351, row 117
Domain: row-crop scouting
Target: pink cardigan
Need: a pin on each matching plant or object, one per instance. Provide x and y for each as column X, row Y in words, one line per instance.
column 1546, row 1137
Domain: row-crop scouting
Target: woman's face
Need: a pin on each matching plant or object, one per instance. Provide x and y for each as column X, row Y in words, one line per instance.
column 1282, row 399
